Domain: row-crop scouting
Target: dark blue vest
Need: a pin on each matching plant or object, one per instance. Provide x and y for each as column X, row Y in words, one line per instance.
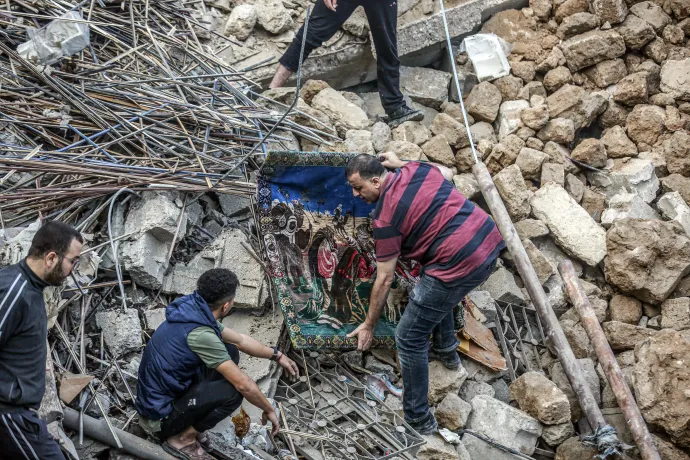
column 168, row 365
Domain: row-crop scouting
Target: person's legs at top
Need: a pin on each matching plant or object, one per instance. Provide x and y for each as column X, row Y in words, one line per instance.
column 382, row 16
column 323, row 24
column 24, row 436
column 207, row 402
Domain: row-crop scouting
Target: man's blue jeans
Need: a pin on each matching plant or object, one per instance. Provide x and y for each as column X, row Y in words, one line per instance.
column 429, row 311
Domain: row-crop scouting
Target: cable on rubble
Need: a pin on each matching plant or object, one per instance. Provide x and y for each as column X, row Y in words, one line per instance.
column 492, row 442
column 116, row 259
column 289, row 109
column 457, row 81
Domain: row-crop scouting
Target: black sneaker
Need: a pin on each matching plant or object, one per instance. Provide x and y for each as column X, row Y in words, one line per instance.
column 450, row 360
column 403, row 114
column 426, row 428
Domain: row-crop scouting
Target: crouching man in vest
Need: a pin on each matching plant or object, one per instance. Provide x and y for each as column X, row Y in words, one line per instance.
column 189, row 379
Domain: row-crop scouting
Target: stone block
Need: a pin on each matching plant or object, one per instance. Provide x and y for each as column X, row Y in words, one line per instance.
column 121, row 331
column 154, row 318
column 501, row 286
column 466, row 184
column 646, row 258
column 675, row 314
column 426, row 86
column 531, row 228
column 236, row 257
column 145, row 260
column 541, row 398
column 265, row 329
column 471, row 389
column 627, row 205
column 530, row 162
column 591, row 48
column 484, row 302
column 625, row 309
column 561, row 380
column 509, row 117
column 518, row 430
column 572, row 227
column 622, row 336
column 156, row 214
column 673, row 207
column 552, row 172
column 436, row 449
column 443, row 381
column 513, row 190
column 674, row 79
column 554, row 435
column 453, row 412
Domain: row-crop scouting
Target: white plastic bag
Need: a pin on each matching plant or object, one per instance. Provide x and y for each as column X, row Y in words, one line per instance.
column 487, row 52
column 59, row 38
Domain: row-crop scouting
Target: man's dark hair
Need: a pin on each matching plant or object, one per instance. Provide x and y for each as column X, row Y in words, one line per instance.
column 54, row 237
column 217, row 286
column 367, row 166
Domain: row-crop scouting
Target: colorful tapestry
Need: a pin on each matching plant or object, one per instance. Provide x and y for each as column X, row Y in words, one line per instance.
column 321, row 253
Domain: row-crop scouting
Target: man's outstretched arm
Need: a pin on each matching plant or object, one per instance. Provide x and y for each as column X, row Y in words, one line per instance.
column 250, row 390
column 253, row 347
column 385, row 274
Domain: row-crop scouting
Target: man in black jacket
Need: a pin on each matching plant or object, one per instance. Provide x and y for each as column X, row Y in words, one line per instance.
column 53, row 254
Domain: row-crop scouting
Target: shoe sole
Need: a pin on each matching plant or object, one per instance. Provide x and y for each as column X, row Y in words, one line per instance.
column 415, row 116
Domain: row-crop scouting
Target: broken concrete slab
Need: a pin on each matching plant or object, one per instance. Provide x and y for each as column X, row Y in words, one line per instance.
column 121, row 330
column 484, row 302
column 145, row 259
column 265, row 329
column 154, row 318
column 541, row 398
column 673, row 207
column 182, row 278
column 646, row 258
column 235, row 256
column 157, row 214
column 443, row 381
column 571, row 226
column 426, row 86
column 518, row 431
column 626, row 205
column 501, row 286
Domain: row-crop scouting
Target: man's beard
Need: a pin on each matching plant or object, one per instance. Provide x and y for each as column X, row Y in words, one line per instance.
column 55, row 277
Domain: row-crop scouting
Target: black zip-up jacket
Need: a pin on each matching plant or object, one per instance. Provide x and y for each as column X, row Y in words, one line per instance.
column 23, row 333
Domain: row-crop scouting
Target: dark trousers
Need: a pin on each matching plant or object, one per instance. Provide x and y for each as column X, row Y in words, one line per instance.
column 383, row 22
column 23, row 436
column 429, row 312
column 210, row 399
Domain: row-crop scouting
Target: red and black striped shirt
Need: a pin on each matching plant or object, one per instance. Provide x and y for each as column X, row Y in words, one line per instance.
column 423, row 217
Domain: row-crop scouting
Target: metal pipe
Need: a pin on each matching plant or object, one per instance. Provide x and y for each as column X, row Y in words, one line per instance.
column 608, row 362
column 98, row 430
column 552, row 327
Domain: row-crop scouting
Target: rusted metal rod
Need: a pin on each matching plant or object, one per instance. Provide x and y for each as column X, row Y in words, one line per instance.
column 552, row 327
column 608, row 362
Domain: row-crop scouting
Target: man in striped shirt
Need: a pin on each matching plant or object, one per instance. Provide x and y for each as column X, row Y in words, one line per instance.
column 421, row 216
column 53, row 254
